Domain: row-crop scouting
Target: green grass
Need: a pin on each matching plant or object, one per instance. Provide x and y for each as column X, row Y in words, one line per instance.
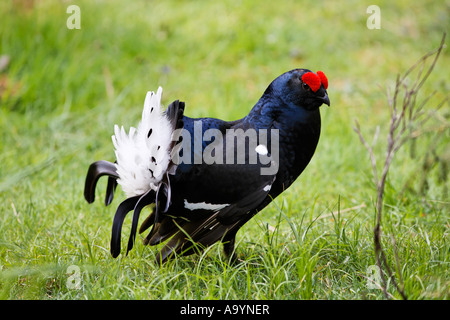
column 63, row 91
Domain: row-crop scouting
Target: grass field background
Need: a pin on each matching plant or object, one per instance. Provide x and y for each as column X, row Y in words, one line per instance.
column 62, row 91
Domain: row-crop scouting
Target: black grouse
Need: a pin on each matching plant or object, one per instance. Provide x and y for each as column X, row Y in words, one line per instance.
column 207, row 177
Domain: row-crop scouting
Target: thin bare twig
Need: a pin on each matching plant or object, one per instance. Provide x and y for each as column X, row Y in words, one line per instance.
column 400, row 121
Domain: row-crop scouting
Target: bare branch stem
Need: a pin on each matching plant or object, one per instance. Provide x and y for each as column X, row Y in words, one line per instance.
column 400, row 122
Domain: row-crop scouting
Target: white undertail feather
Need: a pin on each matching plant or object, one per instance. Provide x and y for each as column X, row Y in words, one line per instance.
column 143, row 154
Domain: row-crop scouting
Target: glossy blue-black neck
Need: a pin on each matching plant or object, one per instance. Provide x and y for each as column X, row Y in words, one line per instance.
column 287, row 102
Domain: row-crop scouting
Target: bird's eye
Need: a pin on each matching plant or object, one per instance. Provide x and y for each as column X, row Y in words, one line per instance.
column 305, row 86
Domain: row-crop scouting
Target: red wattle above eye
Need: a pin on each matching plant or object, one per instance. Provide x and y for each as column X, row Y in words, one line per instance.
column 323, row 79
column 312, row 80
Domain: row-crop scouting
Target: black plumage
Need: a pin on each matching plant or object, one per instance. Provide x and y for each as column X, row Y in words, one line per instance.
column 198, row 203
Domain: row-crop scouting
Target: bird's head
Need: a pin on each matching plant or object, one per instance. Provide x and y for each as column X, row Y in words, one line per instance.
column 302, row 88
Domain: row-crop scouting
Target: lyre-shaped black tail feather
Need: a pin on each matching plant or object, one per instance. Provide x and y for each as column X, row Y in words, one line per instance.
column 161, row 197
column 144, row 200
column 97, row 170
column 126, row 206
column 110, row 188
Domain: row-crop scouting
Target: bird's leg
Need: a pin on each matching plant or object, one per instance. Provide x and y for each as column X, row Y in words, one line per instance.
column 228, row 248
